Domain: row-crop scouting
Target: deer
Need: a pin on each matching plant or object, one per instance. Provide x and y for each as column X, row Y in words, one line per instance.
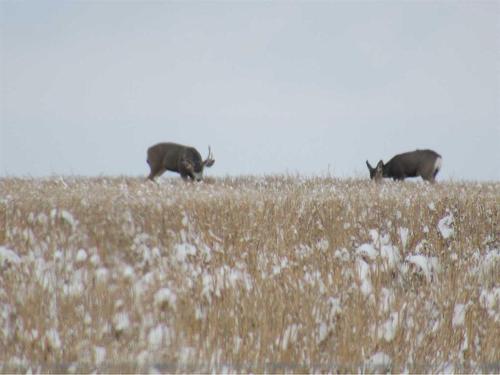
column 185, row 160
column 423, row 163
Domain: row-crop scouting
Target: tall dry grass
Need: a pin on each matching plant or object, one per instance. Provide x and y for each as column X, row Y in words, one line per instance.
column 260, row 274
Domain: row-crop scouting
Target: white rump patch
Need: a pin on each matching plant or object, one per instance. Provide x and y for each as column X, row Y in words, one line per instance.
column 437, row 164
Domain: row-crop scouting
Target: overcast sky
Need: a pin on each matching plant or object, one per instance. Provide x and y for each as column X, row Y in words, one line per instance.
column 273, row 87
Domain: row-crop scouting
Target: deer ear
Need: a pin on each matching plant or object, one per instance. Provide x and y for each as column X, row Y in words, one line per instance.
column 370, row 168
column 380, row 164
column 209, row 162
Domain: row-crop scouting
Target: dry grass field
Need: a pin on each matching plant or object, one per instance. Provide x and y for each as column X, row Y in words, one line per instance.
column 249, row 274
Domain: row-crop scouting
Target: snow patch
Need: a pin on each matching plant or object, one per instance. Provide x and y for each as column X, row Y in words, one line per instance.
column 290, row 335
column 65, row 216
column 81, row 256
column 8, row 256
column 445, row 226
column 102, row 275
column 155, row 337
column 367, row 250
column 99, row 355
column 391, row 256
column 427, row 265
column 387, row 331
column 459, row 314
column 183, row 250
column 53, row 339
column 490, row 300
column 364, row 277
column 128, row 273
column 121, row 322
column 165, row 297
column 379, row 362
column 342, row 255
column 404, row 235
column 323, row 331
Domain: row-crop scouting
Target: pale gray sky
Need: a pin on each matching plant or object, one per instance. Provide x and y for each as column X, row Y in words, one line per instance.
column 273, row 87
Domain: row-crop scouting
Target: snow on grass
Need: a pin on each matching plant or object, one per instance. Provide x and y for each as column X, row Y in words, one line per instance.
column 368, row 251
column 183, row 250
column 490, row 300
column 445, row 226
column 64, row 215
column 428, row 266
column 378, row 362
column 404, row 236
column 380, row 247
column 99, row 355
column 128, row 273
column 388, row 329
column 165, row 298
column 289, row 336
column 459, row 314
column 53, row 339
column 248, row 272
column 81, row 256
column 156, row 336
column 102, row 275
column 121, row 322
column 363, row 269
column 8, row 256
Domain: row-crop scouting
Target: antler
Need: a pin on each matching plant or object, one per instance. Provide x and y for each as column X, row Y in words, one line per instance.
column 209, row 161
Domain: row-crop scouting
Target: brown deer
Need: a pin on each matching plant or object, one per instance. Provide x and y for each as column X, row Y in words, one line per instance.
column 174, row 157
column 424, row 163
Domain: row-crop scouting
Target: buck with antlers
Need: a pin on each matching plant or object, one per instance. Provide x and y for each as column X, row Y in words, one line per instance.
column 184, row 160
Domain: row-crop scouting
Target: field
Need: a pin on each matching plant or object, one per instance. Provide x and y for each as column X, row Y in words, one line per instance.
column 249, row 274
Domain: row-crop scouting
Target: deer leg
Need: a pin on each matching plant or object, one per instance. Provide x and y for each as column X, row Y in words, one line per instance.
column 434, row 175
column 152, row 175
column 431, row 179
column 155, row 172
column 152, row 180
column 428, row 176
column 186, row 169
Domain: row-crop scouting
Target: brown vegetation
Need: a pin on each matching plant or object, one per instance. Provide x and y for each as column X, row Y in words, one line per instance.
column 256, row 274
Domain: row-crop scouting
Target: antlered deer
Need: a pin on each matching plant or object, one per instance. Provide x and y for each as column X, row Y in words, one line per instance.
column 173, row 157
column 424, row 163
